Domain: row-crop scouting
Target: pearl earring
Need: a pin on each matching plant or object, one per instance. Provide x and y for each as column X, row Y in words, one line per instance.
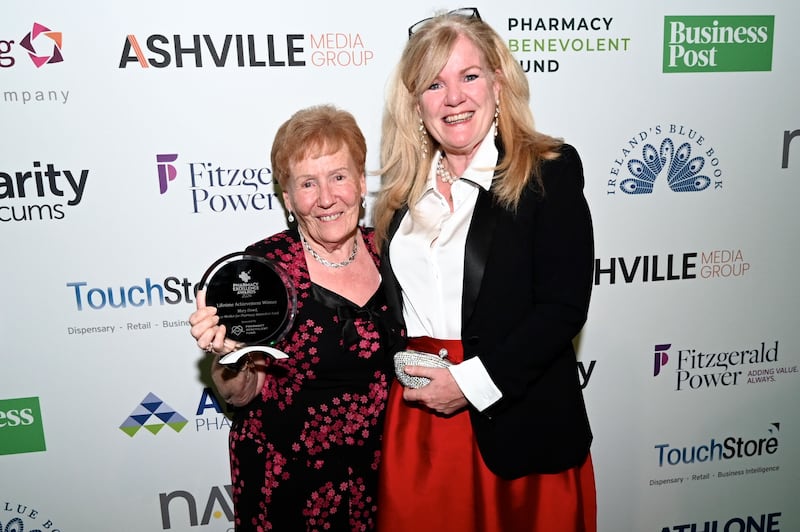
column 290, row 217
column 423, row 138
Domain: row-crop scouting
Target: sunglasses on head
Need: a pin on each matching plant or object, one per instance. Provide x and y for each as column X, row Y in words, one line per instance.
column 469, row 12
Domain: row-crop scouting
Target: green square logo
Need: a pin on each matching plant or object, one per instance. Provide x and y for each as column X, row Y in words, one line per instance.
column 21, row 429
column 718, row 44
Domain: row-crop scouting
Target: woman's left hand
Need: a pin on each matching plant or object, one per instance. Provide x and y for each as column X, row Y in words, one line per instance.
column 442, row 394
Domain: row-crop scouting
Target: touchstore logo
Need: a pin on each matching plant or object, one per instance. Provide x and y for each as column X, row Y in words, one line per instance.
column 719, row 449
column 718, row 43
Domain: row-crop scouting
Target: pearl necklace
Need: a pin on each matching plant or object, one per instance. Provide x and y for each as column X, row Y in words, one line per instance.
column 325, row 262
column 443, row 174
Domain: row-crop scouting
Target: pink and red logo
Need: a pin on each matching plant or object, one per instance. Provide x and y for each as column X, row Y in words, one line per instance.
column 47, row 47
column 660, row 358
column 166, row 171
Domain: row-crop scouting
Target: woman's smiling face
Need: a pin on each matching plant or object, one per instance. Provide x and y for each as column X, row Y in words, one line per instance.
column 458, row 108
column 324, row 192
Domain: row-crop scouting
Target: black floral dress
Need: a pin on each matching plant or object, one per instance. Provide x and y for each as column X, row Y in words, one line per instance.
column 305, row 452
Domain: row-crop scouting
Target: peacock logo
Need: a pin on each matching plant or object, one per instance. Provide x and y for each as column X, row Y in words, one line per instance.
column 683, row 170
column 665, row 157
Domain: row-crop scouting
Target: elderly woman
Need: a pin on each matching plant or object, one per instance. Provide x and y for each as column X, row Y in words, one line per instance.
column 305, row 441
column 488, row 253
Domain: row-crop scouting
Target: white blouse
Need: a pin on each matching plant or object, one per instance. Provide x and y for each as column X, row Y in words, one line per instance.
column 427, row 256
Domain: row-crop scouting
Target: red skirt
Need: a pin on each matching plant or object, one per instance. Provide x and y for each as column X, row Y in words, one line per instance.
column 432, row 476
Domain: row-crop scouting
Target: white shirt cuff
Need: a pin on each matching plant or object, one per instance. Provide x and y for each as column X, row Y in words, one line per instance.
column 475, row 383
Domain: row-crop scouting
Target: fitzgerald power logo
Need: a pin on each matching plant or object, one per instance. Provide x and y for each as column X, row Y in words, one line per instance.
column 697, row 369
column 153, row 414
column 660, row 358
column 718, row 43
column 21, row 428
column 166, row 171
column 218, row 189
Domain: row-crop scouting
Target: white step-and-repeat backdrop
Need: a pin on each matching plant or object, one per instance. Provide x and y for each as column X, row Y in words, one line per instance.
column 134, row 146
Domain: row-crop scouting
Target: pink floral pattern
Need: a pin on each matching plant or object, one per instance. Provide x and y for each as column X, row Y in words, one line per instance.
column 305, row 453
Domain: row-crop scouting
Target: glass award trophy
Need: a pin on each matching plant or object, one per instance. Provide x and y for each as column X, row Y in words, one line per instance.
column 254, row 300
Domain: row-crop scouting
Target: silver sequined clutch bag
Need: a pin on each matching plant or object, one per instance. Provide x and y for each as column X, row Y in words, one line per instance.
column 417, row 358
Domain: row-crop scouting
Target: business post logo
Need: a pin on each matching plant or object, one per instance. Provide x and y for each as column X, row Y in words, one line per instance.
column 153, row 414
column 697, row 369
column 539, row 43
column 21, row 427
column 665, row 157
column 334, row 49
column 718, row 43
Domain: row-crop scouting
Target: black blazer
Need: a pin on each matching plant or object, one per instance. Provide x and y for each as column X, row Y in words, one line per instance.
column 527, row 282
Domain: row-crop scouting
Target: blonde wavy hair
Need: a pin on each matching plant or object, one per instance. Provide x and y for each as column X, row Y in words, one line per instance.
column 404, row 162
